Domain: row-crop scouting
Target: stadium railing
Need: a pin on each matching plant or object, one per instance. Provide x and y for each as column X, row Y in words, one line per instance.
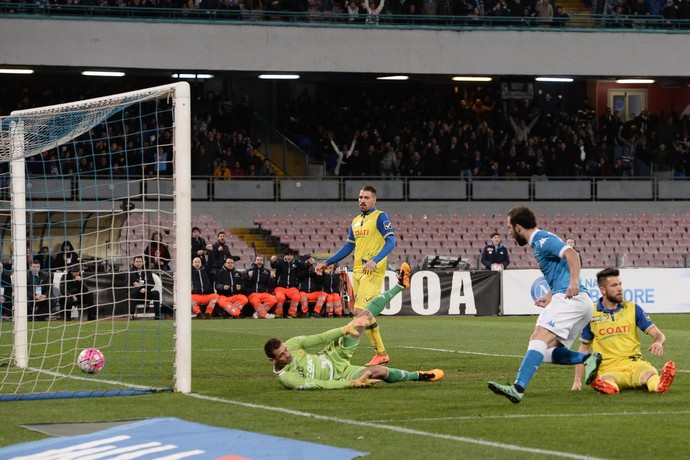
column 396, row 189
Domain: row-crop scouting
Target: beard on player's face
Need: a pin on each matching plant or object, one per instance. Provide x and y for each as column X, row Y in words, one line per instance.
column 519, row 239
column 615, row 297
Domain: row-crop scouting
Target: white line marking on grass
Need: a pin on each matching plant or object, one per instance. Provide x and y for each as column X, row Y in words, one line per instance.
column 93, row 379
column 396, row 429
column 460, row 352
column 443, row 350
column 485, row 417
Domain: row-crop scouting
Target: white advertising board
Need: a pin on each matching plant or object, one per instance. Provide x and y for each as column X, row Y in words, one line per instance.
column 657, row 290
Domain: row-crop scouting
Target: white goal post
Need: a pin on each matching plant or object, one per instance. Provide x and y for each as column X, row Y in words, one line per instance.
column 33, row 132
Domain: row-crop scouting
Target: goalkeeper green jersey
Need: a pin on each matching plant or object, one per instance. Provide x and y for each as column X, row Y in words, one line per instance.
column 329, row 369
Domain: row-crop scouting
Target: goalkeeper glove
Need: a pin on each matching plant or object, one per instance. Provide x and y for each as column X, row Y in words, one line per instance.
column 351, row 328
column 363, row 381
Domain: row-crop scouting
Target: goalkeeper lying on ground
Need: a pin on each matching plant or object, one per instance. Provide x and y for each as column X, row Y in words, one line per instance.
column 330, row 369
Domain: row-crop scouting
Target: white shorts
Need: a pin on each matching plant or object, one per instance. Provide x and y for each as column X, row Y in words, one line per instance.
column 567, row 317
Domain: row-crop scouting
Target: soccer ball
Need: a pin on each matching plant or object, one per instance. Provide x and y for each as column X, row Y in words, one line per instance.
column 91, row 360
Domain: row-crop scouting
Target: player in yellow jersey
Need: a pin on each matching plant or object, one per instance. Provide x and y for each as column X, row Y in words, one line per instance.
column 372, row 238
column 612, row 331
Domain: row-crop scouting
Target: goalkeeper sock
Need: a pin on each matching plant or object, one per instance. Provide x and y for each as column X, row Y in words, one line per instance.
column 399, row 375
column 380, row 302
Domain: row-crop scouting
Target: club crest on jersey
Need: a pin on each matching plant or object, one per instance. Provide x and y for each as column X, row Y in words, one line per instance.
column 542, row 241
column 387, row 225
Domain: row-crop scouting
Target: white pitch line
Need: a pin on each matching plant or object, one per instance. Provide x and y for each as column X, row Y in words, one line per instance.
column 397, row 429
column 461, row 352
column 485, row 417
column 443, row 350
column 92, row 379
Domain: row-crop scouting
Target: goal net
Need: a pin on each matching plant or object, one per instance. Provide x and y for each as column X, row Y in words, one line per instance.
column 84, row 187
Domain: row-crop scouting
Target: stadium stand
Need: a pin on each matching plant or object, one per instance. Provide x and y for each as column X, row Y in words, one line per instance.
column 629, row 240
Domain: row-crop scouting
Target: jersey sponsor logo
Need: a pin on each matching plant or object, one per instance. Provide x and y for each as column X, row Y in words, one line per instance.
column 310, row 368
column 539, row 288
column 363, row 232
column 613, row 330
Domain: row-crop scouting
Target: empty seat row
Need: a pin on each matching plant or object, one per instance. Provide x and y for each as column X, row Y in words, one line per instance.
column 603, row 239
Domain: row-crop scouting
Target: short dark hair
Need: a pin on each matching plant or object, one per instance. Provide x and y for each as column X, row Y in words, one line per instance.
column 289, row 252
column 606, row 273
column 197, row 229
column 369, row 188
column 221, row 233
column 523, row 216
column 271, row 346
column 495, row 234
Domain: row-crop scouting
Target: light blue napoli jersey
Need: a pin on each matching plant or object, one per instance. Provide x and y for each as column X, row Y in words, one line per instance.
column 548, row 250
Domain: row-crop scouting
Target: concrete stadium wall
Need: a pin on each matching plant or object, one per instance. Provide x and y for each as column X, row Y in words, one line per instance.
column 245, row 47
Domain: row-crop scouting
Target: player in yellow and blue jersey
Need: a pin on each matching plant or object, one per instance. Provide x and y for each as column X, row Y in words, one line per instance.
column 613, row 333
column 567, row 307
column 330, row 369
column 372, row 238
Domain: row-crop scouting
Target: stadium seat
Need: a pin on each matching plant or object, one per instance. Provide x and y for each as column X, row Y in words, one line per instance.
column 644, row 234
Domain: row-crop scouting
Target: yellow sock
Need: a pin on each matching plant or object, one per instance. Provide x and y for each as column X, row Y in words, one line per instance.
column 375, row 338
column 653, row 383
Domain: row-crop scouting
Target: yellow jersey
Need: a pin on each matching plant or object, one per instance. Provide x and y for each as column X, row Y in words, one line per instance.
column 613, row 333
column 368, row 233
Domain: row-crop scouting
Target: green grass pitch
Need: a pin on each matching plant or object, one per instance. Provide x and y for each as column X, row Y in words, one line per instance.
column 458, row 417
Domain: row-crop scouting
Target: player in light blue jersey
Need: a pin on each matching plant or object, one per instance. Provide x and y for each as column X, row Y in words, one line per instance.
column 567, row 307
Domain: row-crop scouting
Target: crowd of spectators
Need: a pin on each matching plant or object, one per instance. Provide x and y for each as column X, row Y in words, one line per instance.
column 623, row 13
column 140, row 144
column 387, row 131
column 473, row 132
column 441, row 12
